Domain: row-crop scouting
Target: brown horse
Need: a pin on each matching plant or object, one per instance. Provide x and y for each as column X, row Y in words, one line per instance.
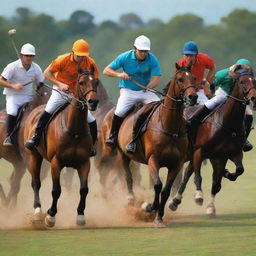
column 110, row 165
column 164, row 142
column 13, row 154
column 68, row 144
column 113, row 162
column 220, row 138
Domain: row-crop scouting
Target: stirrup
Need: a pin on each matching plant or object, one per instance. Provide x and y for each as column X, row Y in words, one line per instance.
column 31, row 143
column 93, row 152
column 131, row 147
column 8, row 141
column 111, row 141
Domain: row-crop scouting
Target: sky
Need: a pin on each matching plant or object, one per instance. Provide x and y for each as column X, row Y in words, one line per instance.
column 210, row 10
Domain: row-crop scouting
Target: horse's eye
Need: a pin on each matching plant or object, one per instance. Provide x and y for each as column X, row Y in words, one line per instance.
column 181, row 80
column 81, row 83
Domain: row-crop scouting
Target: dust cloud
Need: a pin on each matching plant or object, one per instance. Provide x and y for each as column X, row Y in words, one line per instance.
column 104, row 208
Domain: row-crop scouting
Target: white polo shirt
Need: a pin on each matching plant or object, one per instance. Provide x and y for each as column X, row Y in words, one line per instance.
column 15, row 73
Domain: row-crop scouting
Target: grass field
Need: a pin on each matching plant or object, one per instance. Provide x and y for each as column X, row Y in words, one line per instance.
column 111, row 231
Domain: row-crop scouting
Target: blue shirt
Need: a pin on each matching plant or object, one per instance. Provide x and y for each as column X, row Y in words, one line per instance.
column 139, row 71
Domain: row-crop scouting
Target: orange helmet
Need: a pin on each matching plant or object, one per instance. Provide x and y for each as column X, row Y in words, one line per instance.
column 81, row 48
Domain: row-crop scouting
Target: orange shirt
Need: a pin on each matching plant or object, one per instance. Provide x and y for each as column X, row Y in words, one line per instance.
column 202, row 63
column 66, row 70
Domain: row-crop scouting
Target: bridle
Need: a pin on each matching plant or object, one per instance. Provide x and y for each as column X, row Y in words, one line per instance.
column 82, row 95
column 182, row 90
column 245, row 100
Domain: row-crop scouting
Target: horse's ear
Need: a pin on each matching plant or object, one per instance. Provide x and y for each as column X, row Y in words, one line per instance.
column 92, row 69
column 177, row 66
column 80, row 71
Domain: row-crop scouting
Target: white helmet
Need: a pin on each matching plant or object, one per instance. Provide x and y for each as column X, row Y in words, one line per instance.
column 28, row 49
column 142, row 43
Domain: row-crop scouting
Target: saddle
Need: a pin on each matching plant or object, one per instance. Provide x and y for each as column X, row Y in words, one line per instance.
column 56, row 112
column 142, row 117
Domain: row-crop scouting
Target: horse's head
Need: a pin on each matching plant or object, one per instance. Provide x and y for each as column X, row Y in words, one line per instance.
column 246, row 85
column 183, row 85
column 87, row 88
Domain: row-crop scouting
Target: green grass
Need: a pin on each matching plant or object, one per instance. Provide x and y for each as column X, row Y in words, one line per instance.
column 189, row 231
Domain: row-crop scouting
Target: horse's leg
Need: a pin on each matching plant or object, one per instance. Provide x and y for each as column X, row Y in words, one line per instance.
column 173, row 205
column 83, row 173
column 165, row 195
column 239, row 168
column 34, row 167
column 56, row 191
column 218, row 168
column 197, row 161
column 15, row 180
column 154, row 173
column 128, row 177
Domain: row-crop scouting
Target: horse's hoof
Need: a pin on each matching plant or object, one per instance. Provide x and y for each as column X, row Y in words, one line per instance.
column 199, row 199
column 211, row 211
column 147, row 207
column 49, row 221
column 174, row 204
column 80, row 220
column 38, row 214
column 130, row 199
column 158, row 222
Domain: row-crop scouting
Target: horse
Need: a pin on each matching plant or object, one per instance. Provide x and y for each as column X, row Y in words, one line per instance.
column 67, row 144
column 13, row 154
column 112, row 164
column 164, row 141
column 220, row 137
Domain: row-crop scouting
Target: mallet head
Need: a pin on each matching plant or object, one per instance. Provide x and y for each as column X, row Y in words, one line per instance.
column 11, row 32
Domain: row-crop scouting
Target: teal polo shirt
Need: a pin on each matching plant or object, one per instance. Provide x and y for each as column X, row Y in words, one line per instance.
column 139, row 71
column 223, row 80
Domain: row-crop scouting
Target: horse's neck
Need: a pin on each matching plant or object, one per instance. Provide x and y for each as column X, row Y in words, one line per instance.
column 75, row 117
column 234, row 111
column 172, row 112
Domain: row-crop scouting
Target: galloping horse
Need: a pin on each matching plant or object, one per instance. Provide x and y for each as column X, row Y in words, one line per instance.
column 13, row 154
column 164, row 142
column 220, row 137
column 113, row 161
column 68, row 144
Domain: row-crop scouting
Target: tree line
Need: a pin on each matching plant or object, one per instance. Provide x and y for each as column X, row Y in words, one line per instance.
column 234, row 37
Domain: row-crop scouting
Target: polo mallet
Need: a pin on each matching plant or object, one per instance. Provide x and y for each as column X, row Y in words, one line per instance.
column 11, row 33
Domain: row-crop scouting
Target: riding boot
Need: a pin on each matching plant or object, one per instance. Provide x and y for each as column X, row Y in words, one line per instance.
column 11, row 122
column 195, row 121
column 116, row 123
column 248, row 124
column 94, row 133
column 34, row 141
column 131, row 146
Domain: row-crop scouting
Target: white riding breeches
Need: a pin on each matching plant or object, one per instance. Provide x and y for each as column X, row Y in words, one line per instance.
column 57, row 99
column 202, row 98
column 219, row 98
column 128, row 98
column 14, row 102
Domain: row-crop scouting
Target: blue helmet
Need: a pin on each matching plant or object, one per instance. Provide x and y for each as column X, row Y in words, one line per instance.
column 244, row 62
column 190, row 47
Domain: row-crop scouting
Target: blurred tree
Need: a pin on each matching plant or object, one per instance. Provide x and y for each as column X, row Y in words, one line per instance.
column 23, row 15
column 80, row 22
column 130, row 21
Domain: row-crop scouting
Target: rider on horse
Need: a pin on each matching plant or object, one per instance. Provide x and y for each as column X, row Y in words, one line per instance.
column 199, row 62
column 225, row 80
column 18, row 78
column 139, row 66
column 63, row 72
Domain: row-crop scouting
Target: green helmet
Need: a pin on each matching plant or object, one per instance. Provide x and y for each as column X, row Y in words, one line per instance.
column 244, row 62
